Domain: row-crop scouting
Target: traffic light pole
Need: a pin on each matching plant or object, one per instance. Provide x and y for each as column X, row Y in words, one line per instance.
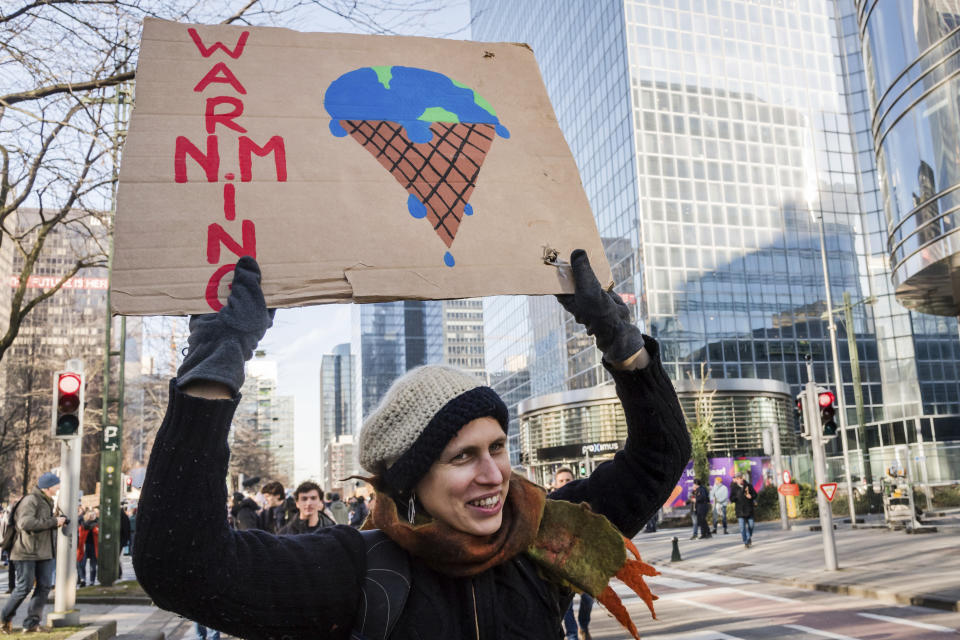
column 111, row 458
column 65, row 595
column 812, row 419
column 837, row 376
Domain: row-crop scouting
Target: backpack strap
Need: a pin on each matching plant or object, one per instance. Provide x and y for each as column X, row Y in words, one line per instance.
column 385, row 589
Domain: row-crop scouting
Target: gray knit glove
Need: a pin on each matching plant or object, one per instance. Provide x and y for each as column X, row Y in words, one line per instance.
column 221, row 342
column 603, row 313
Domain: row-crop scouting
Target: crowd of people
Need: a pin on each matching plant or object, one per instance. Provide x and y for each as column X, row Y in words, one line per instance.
column 306, row 509
column 715, row 500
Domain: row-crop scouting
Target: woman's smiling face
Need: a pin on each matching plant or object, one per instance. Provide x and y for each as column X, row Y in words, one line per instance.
column 467, row 486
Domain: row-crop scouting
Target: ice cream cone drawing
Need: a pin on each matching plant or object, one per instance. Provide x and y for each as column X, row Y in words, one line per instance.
column 430, row 132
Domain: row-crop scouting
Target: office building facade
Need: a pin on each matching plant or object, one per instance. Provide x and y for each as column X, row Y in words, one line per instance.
column 713, row 138
column 463, row 344
column 337, row 404
column 264, row 421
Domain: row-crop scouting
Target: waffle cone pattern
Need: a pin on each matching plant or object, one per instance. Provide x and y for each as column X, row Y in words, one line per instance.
column 441, row 174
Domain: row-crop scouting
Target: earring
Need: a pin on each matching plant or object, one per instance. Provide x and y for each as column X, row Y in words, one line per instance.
column 411, row 510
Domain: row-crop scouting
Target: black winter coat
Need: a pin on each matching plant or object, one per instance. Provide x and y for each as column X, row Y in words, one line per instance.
column 742, row 498
column 245, row 514
column 309, row 586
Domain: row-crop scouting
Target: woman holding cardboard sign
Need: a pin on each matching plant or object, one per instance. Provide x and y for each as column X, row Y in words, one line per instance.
column 456, row 546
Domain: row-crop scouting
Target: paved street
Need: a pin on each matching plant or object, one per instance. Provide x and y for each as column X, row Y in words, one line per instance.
column 722, row 591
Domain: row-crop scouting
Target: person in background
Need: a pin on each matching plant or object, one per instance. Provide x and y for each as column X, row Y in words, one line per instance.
column 33, row 550
column 577, row 626
column 132, row 516
column 359, row 512
column 702, row 500
column 692, row 502
column 203, row 633
column 720, row 496
column 313, row 515
column 279, row 510
column 244, row 512
column 88, row 537
column 339, row 509
column 742, row 495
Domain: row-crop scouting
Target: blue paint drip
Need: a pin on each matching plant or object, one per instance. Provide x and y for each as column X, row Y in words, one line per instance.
column 336, row 129
column 468, row 209
column 448, row 259
column 359, row 95
column 415, row 207
column 418, row 131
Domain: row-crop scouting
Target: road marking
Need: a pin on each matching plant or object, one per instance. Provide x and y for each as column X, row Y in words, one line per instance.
column 673, row 583
column 702, row 605
column 756, row 594
column 912, row 623
column 819, row 632
column 703, row 575
column 709, row 634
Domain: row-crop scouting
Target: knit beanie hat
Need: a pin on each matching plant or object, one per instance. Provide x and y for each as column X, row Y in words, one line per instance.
column 419, row 415
column 48, row 480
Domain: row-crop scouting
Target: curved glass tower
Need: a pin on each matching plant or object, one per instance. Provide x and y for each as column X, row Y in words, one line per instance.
column 912, row 54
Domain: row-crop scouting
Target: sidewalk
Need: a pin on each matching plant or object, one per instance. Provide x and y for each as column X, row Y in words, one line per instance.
column 890, row 566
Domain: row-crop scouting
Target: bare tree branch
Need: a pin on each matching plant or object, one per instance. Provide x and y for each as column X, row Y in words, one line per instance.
column 67, row 87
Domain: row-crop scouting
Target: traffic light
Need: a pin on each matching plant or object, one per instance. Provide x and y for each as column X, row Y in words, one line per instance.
column 67, row 404
column 128, row 482
column 799, row 411
column 826, row 401
column 583, row 469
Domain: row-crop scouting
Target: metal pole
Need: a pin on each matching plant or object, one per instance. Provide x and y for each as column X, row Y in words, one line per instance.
column 111, row 458
column 922, row 462
column 819, row 471
column 65, row 594
column 909, row 478
column 837, row 376
column 857, row 389
column 778, row 475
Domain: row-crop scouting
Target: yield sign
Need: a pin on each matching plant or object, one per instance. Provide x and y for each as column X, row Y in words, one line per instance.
column 829, row 489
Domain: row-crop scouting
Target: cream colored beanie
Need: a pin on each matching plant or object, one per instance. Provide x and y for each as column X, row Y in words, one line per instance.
column 421, row 412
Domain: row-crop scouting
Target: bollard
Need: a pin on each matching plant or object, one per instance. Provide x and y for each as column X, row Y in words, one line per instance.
column 675, row 556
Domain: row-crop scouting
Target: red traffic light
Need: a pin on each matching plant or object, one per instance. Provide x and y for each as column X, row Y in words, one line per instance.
column 826, row 399
column 68, row 383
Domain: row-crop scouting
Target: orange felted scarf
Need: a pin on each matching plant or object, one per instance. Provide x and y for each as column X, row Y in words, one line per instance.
column 573, row 546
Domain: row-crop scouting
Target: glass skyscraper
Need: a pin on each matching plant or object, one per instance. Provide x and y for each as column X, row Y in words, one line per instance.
column 712, row 138
column 392, row 338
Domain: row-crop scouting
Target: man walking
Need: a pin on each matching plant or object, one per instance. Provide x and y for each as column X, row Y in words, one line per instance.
column 720, row 496
column 742, row 495
column 33, row 550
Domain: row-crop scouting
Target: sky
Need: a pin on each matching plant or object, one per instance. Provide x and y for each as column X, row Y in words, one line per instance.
column 301, row 336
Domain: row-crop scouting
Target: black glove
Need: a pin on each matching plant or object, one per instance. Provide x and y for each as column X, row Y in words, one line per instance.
column 221, row 342
column 603, row 313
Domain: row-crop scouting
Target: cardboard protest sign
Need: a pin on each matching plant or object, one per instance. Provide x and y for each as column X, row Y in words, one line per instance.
column 354, row 168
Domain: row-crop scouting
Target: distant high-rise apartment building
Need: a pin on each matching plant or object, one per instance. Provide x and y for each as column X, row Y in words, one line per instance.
column 712, row 139
column 337, row 405
column 463, row 335
column 267, row 420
